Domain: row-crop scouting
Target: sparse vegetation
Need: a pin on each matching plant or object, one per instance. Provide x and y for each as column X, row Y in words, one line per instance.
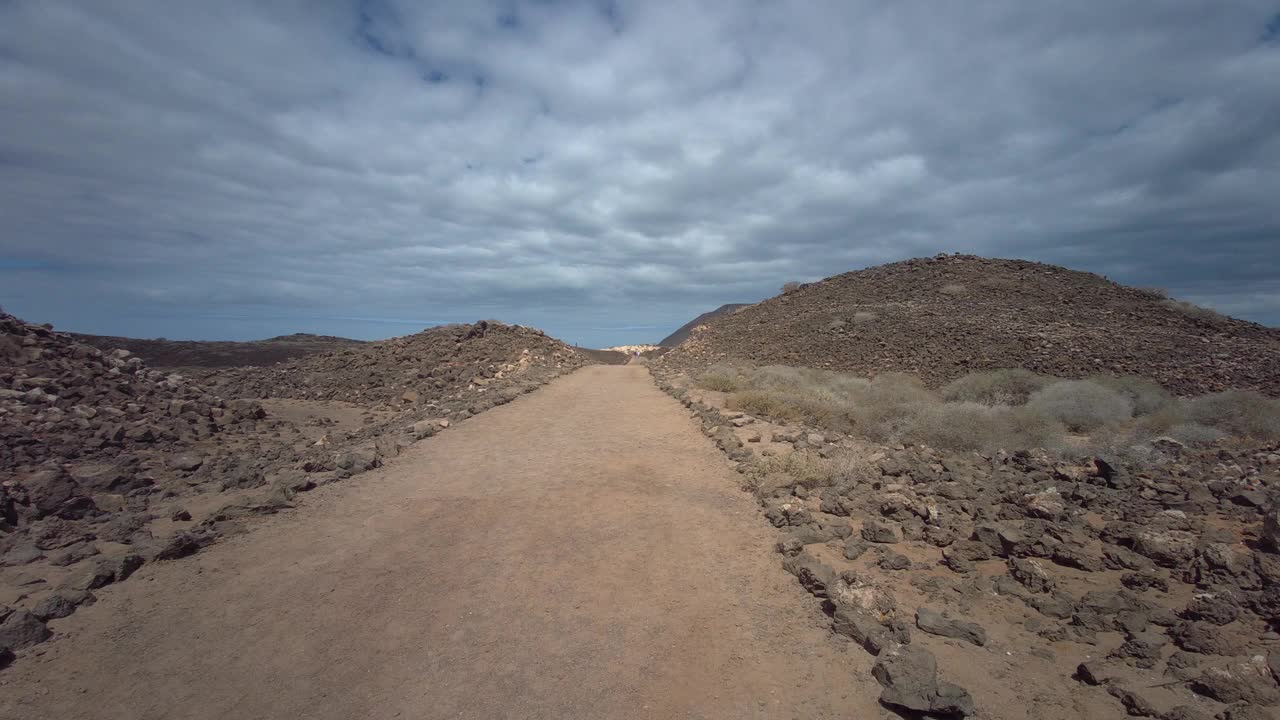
column 1009, row 409
column 1193, row 310
column 1244, row 413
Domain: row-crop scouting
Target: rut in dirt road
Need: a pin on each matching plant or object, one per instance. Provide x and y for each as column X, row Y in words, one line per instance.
column 583, row 552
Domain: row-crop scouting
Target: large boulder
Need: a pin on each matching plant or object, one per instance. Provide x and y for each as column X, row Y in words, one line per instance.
column 909, row 675
column 53, row 491
column 22, row 629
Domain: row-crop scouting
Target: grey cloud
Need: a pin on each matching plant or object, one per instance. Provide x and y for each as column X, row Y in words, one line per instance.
column 592, row 165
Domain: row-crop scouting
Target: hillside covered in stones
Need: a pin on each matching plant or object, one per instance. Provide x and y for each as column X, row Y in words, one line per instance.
column 682, row 333
column 435, row 365
column 943, row 317
column 161, row 353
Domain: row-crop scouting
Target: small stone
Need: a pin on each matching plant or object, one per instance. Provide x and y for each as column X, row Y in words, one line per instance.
column 186, row 462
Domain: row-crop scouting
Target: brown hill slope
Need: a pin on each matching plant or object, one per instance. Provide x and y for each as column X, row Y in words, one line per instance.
column 681, row 334
column 946, row 316
column 190, row 353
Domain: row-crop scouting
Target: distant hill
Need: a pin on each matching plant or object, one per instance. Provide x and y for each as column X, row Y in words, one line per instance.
column 163, row 353
column 679, row 336
column 943, row 317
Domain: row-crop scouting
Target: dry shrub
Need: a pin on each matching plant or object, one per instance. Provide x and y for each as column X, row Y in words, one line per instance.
column 720, row 378
column 1243, row 413
column 1012, row 386
column 1193, row 310
column 1195, row 434
column 851, row 467
column 962, row 426
column 1081, row 405
column 808, row 469
column 1146, row 395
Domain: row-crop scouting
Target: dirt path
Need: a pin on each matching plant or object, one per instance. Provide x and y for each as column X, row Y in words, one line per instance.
column 583, row 552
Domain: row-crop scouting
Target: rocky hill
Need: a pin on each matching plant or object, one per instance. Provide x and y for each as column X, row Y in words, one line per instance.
column 681, row 334
column 441, row 364
column 946, row 316
column 163, row 353
column 106, row 464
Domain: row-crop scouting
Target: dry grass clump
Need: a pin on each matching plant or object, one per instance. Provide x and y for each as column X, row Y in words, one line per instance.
column 805, row 468
column 1081, row 405
column 1011, row 386
column 810, row 470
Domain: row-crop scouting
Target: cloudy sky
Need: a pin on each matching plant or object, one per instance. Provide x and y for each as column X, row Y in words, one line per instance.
column 607, row 170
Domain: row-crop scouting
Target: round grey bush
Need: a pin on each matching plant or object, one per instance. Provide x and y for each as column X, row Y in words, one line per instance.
column 1244, row 413
column 1011, row 386
column 1081, row 405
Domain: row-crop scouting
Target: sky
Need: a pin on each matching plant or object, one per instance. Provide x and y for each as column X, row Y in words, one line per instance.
column 608, row 170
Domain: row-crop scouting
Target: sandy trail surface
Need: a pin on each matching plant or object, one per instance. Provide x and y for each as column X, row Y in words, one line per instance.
column 583, row 552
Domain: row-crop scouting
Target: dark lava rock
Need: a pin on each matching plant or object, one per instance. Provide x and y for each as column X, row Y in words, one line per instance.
column 62, row 603
column 814, row 574
column 909, row 676
column 1031, row 574
column 1205, row 638
column 854, row 547
column 183, row 544
column 881, row 531
column 961, row 556
column 107, row 571
column 23, row 629
column 1248, row 680
column 1217, row 608
column 935, row 623
column 894, row 561
column 1271, row 528
column 1134, row 703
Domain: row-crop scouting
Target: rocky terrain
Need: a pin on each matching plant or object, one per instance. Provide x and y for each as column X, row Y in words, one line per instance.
column 1023, row 585
column 682, row 333
column 106, row 464
column 943, row 317
column 161, row 353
